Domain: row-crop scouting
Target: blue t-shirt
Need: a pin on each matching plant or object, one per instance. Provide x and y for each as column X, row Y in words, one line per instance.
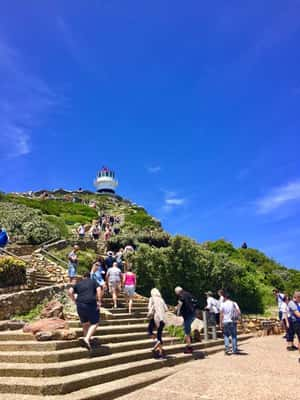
column 293, row 306
column 3, row 238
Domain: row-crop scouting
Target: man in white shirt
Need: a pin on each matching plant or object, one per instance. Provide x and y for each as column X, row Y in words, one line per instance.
column 279, row 298
column 229, row 315
column 212, row 308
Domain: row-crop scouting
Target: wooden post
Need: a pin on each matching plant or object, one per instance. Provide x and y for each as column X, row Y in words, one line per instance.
column 205, row 322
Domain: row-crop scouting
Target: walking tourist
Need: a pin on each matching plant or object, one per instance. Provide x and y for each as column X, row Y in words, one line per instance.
column 294, row 308
column 114, row 280
column 157, row 309
column 110, row 259
column 212, row 308
column 129, row 282
column 186, row 309
column 229, row 315
column 87, row 294
column 81, row 231
column 73, row 262
column 4, row 238
column 279, row 298
column 288, row 324
column 95, row 231
column 98, row 274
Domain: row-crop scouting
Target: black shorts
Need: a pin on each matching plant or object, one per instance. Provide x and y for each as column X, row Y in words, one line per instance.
column 88, row 313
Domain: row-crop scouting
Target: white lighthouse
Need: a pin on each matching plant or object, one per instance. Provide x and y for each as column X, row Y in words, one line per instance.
column 105, row 181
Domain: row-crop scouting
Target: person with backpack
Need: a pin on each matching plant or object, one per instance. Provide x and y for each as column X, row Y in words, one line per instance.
column 3, row 238
column 186, row 308
column 229, row 315
column 294, row 308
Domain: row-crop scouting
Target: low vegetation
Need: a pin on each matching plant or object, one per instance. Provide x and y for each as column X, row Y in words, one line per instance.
column 12, row 272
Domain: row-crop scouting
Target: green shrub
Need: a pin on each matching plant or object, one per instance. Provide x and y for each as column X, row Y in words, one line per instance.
column 26, row 225
column 12, row 272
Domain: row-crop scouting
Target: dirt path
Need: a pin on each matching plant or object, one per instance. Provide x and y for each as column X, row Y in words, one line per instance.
column 267, row 372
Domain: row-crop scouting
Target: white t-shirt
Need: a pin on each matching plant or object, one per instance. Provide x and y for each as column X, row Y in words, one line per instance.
column 227, row 310
column 280, row 298
column 212, row 305
column 114, row 274
column 284, row 309
column 220, row 302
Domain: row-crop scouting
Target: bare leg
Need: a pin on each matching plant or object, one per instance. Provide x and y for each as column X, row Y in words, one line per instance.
column 130, row 304
column 85, row 328
column 188, row 340
column 91, row 332
column 115, row 297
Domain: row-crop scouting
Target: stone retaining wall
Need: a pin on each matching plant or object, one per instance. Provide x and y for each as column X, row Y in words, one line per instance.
column 52, row 270
column 24, row 301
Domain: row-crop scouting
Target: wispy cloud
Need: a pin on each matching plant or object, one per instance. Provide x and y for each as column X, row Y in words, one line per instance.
column 279, row 197
column 172, row 200
column 154, row 169
column 25, row 99
column 175, row 202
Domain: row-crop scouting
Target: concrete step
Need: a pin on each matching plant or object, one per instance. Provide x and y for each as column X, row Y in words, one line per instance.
column 36, row 346
column 76, row 352
column 107, row 391
column 80, row 380
column 125, row 315
column 77, row 381
column 123, row 310
column 105, row 322
column 87, row 364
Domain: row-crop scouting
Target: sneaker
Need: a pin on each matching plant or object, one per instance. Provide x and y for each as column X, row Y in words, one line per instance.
column 295, row 347
column 227, row 353
column 155, row 354
column 188, row 350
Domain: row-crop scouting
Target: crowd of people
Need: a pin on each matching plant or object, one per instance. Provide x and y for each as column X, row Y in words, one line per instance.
column 106, row 225
column 289, row 315
column 112, row 274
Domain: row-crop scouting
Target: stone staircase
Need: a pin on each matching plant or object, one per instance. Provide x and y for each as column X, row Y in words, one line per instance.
column 122, row 362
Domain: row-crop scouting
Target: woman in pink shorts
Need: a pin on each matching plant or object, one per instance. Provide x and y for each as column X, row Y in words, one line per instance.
column 129, row 282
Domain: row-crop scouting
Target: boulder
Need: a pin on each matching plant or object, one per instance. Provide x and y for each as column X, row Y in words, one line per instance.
column 64, row 334
column 45, row 325
column 54, row 309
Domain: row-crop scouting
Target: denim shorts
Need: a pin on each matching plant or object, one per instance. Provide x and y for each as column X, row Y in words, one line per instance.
column 129, row 290
column 71, row 271
column 187, row 324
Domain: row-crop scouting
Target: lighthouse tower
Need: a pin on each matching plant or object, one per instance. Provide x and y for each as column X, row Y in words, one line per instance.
column 105, row 181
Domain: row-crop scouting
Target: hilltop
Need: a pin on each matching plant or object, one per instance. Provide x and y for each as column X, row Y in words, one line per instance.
column 160, row 259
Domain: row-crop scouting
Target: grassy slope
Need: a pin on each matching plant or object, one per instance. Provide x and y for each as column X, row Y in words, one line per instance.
column 138, row 226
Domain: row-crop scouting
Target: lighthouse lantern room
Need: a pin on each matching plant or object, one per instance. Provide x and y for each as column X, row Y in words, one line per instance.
column 105, row 181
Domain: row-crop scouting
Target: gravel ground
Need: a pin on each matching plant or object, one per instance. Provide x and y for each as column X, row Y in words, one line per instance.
column 267, row 371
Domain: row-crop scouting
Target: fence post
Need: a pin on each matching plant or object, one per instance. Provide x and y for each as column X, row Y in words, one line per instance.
column 205, row 322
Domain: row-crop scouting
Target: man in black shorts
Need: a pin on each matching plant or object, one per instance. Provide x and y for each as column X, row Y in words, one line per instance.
column 86, row 294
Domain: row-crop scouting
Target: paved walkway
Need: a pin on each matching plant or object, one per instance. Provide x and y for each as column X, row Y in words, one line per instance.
column 267, row 372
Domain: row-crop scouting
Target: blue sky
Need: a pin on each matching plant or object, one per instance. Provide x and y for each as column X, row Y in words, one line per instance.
column 195, row 106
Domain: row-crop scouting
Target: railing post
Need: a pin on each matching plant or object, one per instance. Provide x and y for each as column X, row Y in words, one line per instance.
column 205, row 322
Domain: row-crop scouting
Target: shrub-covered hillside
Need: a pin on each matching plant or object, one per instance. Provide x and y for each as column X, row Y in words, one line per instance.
column 160, row 260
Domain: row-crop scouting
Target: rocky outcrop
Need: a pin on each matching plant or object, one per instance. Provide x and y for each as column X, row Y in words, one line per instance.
column 45, row 325
column 54, row 309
